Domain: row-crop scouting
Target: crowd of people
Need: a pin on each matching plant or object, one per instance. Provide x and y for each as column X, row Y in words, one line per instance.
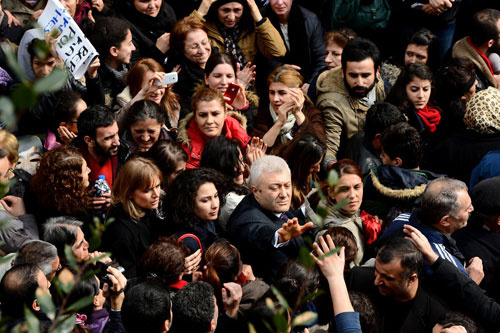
column 302, row 169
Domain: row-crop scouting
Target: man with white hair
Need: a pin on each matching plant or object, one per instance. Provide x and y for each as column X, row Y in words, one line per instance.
column 262, row 226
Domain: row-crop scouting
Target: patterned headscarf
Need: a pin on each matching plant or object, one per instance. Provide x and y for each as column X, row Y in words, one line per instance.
column 482, row 113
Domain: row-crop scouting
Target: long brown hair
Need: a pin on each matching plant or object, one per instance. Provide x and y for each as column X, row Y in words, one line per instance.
column 135, row 77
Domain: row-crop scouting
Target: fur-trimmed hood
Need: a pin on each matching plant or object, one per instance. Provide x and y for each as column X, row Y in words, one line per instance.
column 399, row 183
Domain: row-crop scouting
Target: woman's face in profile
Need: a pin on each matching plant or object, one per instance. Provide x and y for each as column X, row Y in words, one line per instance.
column 149, row 197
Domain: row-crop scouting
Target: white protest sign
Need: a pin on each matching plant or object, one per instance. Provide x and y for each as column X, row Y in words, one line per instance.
column 74, row 48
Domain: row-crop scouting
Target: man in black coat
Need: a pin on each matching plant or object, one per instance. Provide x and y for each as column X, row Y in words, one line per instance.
column 401, row 304
column 262, row 226
column 481, row 237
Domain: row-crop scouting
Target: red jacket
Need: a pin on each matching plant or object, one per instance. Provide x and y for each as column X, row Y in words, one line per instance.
column 193, row 141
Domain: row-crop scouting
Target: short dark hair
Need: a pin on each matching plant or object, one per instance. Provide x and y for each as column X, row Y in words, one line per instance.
column 146, row 307
column 66, row 107
column 403, row 140
column 343, row 237
column 39, row 253
column 358, row 49
column 18, row 289
column 425, row 37
column 440, row 199
column 193, row 308
column 397, row 247
column 94, row 117
column 61, row 231
column 221, row 154
column 142, row 110
column 362, row 304
column 379, row 117
column 86, row 287
column 108, row 32
column 449, row 319
column 483, row 26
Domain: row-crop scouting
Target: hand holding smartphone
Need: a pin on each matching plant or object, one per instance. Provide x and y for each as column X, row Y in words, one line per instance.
column 168, row 78
column 231, row 92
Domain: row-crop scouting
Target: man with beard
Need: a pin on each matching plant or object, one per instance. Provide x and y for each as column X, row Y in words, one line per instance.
column 346, row 93
column 394, row 287
column 484, row 39
column 100, row 147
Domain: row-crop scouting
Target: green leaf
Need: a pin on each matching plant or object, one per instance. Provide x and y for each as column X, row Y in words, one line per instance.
column 251, row 328
column 102, row 256
column 312, row 296
column 333, row 178
column 280, row 297
column 12, row 62
column 305, row 258
column 65, row 324
column 46, row 304
column 68, row 252
column 8, row 258
column 66, row 280
column 341, row 204
column 31, row 321
column 280, row 322
column 81, row 303
column 24, row 96
column 54, row 82
column 322, row 211
column 7, row 115
column 331, row 252
column 305, row 319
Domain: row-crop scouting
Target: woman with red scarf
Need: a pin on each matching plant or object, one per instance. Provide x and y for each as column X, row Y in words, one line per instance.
column 412, row 95
column 208, row 120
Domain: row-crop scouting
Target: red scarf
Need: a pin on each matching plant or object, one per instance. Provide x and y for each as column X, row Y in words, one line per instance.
column 431, row 118
column 108, row 169
column 482, row 55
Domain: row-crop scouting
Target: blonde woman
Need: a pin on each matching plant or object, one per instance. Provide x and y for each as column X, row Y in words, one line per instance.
column 135, row 197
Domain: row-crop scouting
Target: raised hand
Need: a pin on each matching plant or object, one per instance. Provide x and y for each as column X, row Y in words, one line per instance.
column 292, row 229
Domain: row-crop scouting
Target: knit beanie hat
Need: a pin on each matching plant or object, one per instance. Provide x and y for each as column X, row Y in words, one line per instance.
column 486, row 196
column 482, row 113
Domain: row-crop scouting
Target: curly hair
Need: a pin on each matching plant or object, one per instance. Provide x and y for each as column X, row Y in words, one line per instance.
column 58, row 182
column 180, row 198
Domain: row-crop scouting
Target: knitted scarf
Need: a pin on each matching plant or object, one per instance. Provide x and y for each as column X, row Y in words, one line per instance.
column 231, row 37
column 431, row 118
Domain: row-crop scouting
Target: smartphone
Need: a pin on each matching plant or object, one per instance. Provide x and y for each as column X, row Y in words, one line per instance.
column 169, row 78
column 231, row 92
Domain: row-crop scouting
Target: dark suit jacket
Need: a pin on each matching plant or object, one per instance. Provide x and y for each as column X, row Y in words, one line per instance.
column 251, row 229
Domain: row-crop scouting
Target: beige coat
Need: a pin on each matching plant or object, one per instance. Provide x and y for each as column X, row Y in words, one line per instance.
column 462, row 49
column 264, row 37
column 344, row 115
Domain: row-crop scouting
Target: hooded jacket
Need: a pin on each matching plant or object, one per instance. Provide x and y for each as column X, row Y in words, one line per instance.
column 389, row 190
column 193, row 141
column 344, row 115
